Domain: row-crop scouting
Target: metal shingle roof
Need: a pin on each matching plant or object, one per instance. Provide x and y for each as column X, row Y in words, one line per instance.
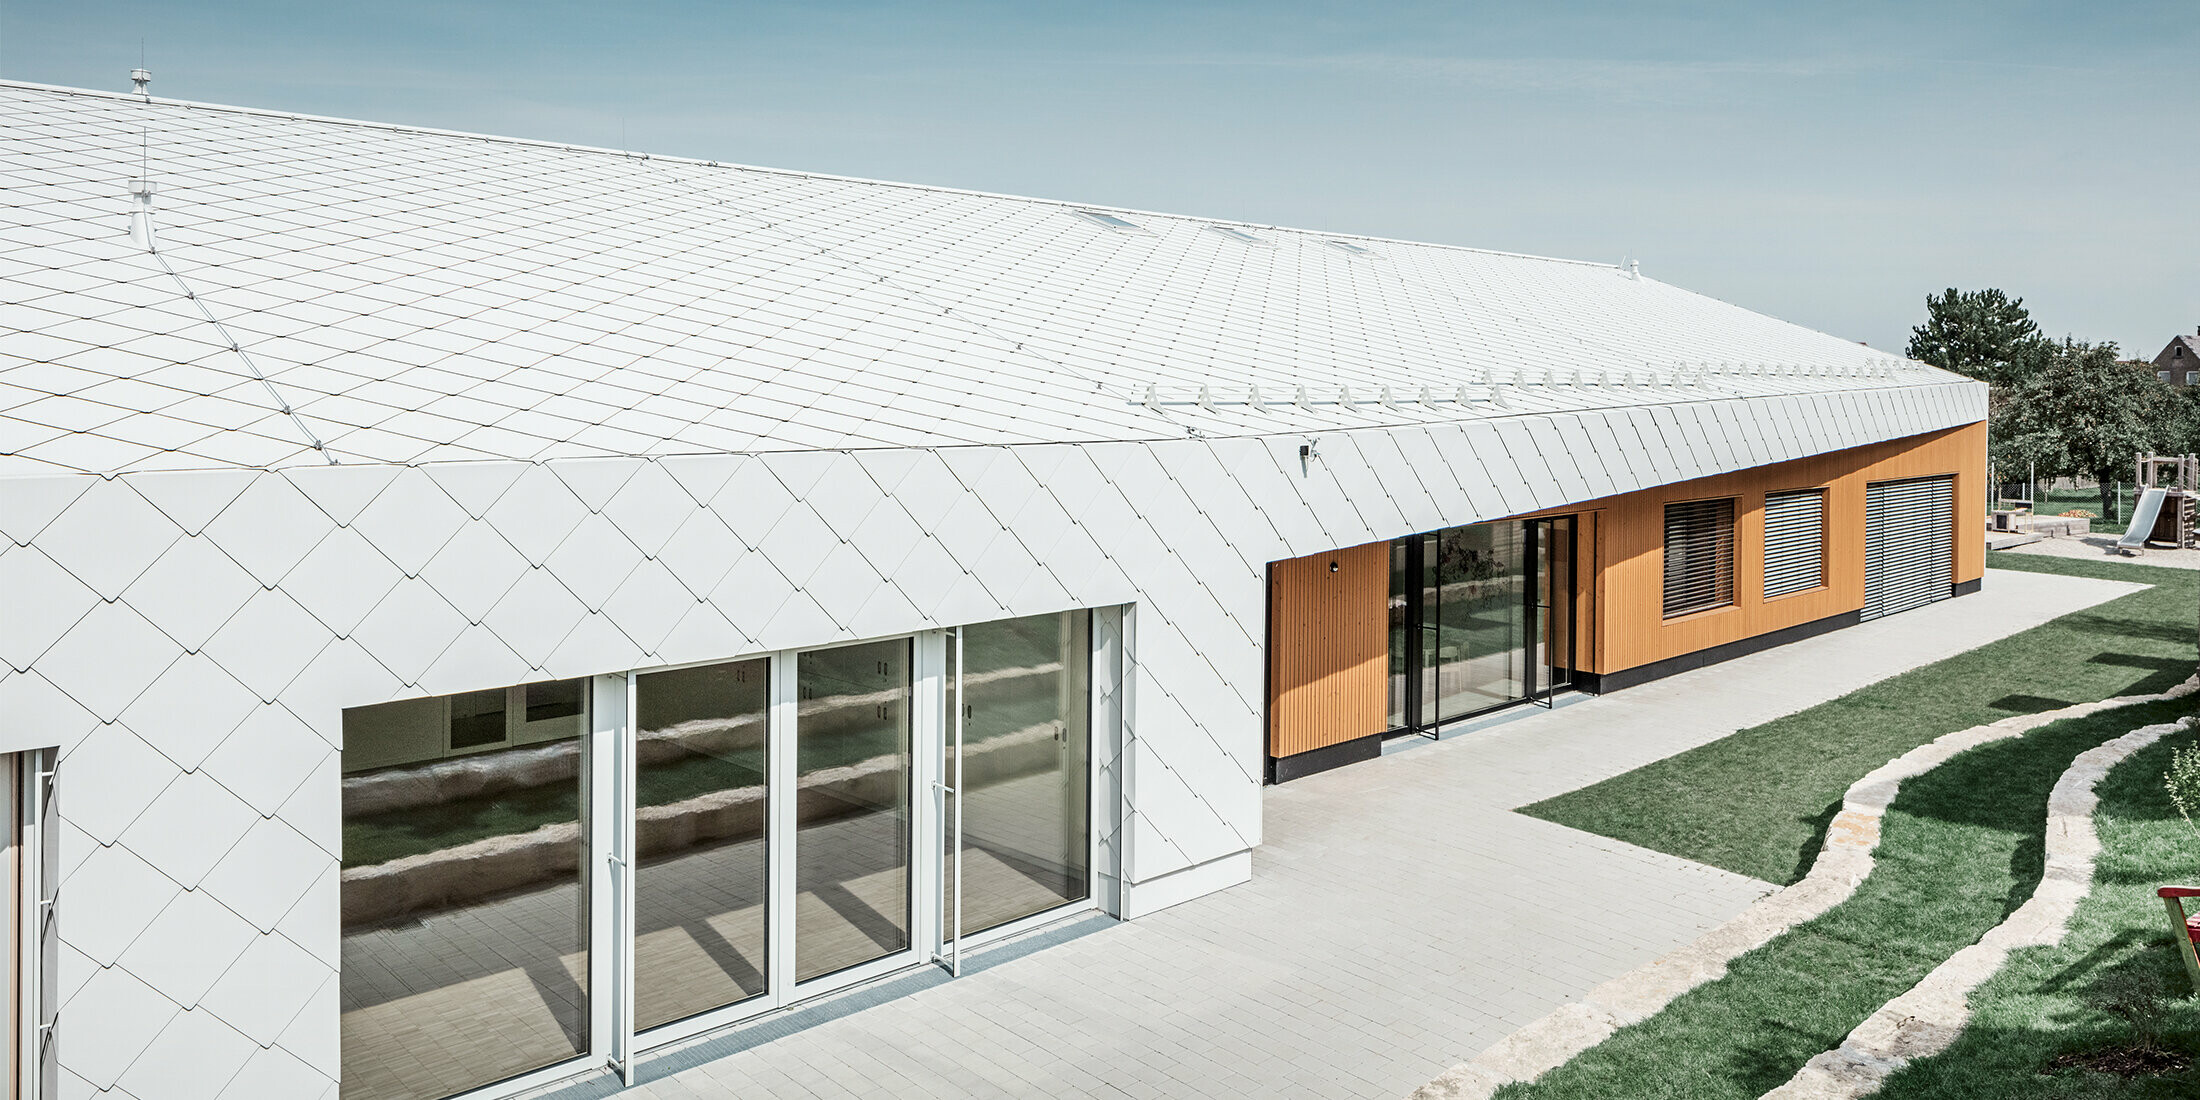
column 418, row 296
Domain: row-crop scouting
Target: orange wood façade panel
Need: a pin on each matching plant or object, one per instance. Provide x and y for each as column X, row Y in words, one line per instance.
column 1328, row 648
column 1629, row 544
column 1329, row 638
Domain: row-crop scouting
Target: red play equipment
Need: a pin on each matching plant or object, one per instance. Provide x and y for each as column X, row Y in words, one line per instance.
column 2188, row 928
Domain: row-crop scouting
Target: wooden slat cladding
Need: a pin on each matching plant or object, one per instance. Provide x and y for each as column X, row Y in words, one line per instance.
column 1328, row 648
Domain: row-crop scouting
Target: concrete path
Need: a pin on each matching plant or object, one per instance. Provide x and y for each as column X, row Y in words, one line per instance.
column 1399, row 919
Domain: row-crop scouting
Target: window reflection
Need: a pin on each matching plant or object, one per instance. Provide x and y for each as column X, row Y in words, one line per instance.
column 465, row 946
column 852, row 822
column 699, row 883
column 1026, row 739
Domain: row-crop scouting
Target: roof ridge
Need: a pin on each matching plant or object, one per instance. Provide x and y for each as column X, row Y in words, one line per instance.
column 699, row 162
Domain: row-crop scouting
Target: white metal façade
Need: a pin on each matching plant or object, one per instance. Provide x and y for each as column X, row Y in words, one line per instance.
column 591, row 411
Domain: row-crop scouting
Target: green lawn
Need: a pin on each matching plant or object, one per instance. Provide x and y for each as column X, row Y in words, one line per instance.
column 1960, row 849
column 2116, row 966
column 1777, row 785
column 2054, row 502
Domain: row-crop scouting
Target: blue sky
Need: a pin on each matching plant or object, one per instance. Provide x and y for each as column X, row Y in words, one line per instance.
column 1825, row 166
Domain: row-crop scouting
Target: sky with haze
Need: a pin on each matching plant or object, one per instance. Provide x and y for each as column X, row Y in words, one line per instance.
column 1826, row 164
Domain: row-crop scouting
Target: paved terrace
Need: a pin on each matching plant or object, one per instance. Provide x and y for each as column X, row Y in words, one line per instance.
column 1399, row 918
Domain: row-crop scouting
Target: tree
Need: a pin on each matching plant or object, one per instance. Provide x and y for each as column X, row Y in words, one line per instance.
column 2184, row 433
column 1982, row 333
column 2081, row 413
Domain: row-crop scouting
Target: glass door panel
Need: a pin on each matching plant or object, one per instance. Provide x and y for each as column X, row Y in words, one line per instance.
column 1554, row 617
column 1479, row 576
column 1402, row 654
column 852, row 806
column 1024, row 825
column 700, row 883
column 465, row 913
column 1431, row 632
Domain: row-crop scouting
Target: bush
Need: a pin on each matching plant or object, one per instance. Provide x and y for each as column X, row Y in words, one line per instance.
column 2183, row 781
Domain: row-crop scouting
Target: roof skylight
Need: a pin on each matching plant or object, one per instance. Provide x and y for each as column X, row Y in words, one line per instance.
column 1348, row 246
column 1108, row 220
column 1239, row 235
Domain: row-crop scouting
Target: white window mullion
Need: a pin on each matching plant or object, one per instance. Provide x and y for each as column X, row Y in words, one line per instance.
column 624, row 828
column 609, row 798
column 31, row 797
column 928, row 806
column 779, row 813
column 952, row 908
column 1105, row 800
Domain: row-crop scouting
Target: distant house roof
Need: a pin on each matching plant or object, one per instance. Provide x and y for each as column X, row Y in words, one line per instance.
column 325, row 289
column 2168, row 355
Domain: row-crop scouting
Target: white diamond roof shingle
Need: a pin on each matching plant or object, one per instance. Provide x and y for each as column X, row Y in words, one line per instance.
column 417, row 296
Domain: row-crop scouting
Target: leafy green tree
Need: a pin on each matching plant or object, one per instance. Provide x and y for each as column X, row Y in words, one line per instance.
column 2184, row 429
column 2081, row 413
column 1982, row 333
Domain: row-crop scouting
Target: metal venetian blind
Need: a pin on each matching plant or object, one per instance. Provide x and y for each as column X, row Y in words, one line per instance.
column 1909, row 544
column 1795, row 541
column 1699, row 555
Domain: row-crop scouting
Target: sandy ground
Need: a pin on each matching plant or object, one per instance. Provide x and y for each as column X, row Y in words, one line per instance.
column 2103, row 548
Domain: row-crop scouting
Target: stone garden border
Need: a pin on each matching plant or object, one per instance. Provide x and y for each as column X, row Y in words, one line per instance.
column 1842, row 864
column 1927, row 1019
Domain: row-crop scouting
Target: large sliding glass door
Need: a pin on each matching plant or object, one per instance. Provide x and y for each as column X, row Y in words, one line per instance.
column 1018, row 768
column 851, row 807
column 535, row 874
column 701, row 917
column 465, row 947
column 1472, row 610
column 1474, row 618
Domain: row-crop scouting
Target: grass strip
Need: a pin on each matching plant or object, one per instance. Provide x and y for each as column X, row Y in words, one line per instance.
column 1757, row 802
column 2048, row 1023
column 1961, row 847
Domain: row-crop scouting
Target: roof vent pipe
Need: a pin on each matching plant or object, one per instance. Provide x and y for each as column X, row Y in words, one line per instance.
column 1634, row 269
column 142, row 80
column 141, row 214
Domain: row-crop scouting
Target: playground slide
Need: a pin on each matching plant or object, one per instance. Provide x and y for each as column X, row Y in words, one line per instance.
column 2142, row 520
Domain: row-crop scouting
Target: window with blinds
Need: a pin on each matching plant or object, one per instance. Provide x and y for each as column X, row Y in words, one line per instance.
column 1795, row 541
column 1699, row 556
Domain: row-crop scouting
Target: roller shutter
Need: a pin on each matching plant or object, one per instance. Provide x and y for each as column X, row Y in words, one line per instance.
column 1795, row 541
column 1699, row 556
column 1909, row 544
